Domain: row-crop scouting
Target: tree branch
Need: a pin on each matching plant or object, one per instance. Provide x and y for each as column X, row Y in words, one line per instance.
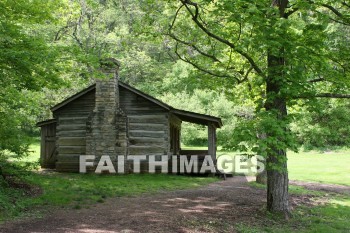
column 175, row 17
column 201, row 68
column 195, row 47
column 316, row 80
column 335, row 11
column 344, row 20
column 218, row 38
column 325, row 95
column 333, row 95
column 345, row 4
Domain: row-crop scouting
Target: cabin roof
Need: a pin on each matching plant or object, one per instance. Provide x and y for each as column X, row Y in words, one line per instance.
column 47, row 122
column 182, row 114
column 197, row 118
column 73, row 97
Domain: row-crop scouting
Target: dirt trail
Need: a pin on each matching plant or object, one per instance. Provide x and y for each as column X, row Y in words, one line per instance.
column 334, row 188
column 213, row 208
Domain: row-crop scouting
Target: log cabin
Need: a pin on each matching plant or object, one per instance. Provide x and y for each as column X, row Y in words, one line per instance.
column 113, row 118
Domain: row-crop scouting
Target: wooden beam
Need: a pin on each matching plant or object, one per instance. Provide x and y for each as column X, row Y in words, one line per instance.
column 212, row 141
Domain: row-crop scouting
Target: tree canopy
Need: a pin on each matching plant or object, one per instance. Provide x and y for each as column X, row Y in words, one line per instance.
column 283, row 50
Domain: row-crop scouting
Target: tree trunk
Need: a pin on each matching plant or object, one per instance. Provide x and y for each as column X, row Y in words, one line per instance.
column 261, row 178
column 276, row 161
column 277, row 186
column 276, row 106
column 277, row 173
column 2, row 175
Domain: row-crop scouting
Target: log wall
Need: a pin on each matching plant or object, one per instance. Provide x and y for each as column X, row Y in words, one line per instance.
column 148, row 126
column 148, row 129
column 71, row 132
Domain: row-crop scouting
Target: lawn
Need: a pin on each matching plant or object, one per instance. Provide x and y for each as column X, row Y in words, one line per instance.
column 331, row 216
column 82, row 190
column 34, row 154
column 329, row 167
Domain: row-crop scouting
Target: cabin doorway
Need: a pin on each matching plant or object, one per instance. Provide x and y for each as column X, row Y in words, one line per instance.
column 48, row 145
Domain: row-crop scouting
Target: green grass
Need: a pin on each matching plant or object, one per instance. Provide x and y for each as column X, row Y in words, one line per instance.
column 334, row 215
column 293, row 189
column 333, row 167
column 82, row 190
column 331, row 216
column 34, row 154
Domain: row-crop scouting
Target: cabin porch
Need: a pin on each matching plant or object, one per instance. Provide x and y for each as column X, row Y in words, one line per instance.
column 175, row 133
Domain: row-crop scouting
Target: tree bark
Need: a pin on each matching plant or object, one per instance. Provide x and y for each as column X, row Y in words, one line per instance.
column 277, row 186
column 2, row 175
column 276, row 106
column 276, row 161
column 261, row 178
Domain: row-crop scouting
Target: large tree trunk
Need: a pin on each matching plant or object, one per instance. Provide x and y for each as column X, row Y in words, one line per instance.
column 276, row 105
column 277, row 186
column 276, row 161
column 277, row 174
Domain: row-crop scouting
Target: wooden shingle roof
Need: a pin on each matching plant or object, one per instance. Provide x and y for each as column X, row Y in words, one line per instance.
column 188, row 116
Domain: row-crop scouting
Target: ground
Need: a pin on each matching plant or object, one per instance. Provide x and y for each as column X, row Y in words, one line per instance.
column 223, row 206
column 320, row 198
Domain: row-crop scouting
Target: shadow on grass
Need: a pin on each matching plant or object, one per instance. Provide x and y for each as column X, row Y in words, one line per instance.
column 82, row 190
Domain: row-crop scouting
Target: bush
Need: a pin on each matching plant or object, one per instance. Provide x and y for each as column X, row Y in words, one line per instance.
column 324, row 126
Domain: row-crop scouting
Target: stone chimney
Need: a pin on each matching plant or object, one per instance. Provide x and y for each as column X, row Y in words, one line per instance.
column 107, row 124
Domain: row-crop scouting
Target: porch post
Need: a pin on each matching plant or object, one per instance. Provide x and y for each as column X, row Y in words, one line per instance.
column 212, row 141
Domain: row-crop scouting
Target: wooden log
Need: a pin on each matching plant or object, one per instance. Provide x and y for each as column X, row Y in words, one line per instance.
column 70, row 127
column 212, row 141
column 146, row 139
column 72, row 133
column 71, row 149
column 71, row 141
column 157, row 144
column 148, row 118
column 146, row 133
column 147, row 150
column 67, row 167
column 72, row 120
column 147, row 126
column 143, row 112
column 72, row 158
column 73, row 114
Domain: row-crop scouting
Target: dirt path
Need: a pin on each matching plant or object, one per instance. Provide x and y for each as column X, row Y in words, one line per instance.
column 334, row 188
column 213, row 208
